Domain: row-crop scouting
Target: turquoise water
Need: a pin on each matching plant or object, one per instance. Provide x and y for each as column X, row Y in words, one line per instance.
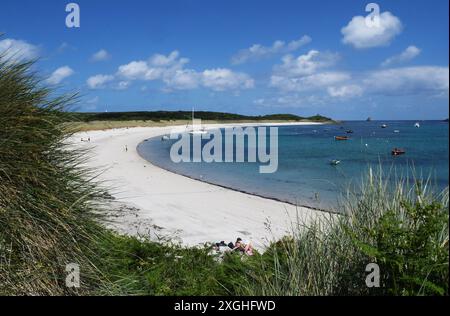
column 305, row 176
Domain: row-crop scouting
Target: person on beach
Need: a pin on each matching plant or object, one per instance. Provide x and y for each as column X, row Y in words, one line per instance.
column 244, row 248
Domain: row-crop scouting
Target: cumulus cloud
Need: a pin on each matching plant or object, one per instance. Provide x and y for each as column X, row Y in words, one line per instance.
column 171, row 71
column 306, row 64
column 307, row 72
column 18, row 50
column 221, row 79
column 360, row 34
column 345, row 91
column 408, row 54
column 99, row 81
column 182, row 79
column 136, row 70
column 122, row 85
column 309, row 82
column 409, row 81
column 157, row 67
column 160, row 60
column 312, row 79
column 101, row 55
column 258, row 51
column 60, row 74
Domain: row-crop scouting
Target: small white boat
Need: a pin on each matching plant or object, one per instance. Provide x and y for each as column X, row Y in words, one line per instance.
column 417, row 125
column 164, row 138
column 396, row 131
column 383, row 126
column 198, row 132
column 335, row 162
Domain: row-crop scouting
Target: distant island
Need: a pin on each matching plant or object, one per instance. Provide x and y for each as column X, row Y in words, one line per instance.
column 158, row 116
column 85, row 121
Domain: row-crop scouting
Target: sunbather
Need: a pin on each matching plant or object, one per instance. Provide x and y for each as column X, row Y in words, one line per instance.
column 245, row 248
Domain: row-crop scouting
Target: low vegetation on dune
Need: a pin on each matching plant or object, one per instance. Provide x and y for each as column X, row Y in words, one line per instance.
column 157, row 116
column 51, row 213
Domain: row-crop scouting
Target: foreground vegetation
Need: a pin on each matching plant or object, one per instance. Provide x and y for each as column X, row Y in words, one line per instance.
column 50, row 212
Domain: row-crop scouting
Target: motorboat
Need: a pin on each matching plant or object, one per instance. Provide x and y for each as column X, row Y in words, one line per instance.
column 341, row 138
column 398, row 152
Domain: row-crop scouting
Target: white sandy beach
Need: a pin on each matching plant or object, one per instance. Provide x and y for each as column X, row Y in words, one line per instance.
column 158, row 203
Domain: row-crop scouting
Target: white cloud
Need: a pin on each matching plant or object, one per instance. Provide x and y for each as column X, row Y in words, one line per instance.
column 99, row 81
column 182, row 79
column 309, row 82
column 137, row 70
column 307, row 72
column 18, row 50
column 345, row 91
column 60, row 74
column 101, row 55
column 408, row 54
column 306, row 64
column 257, row 51
column 221, row 79
column 122, row 85
column 170, row 70
column 157, row 67
column 359, row 34
column 159, row 60
column 409, row 81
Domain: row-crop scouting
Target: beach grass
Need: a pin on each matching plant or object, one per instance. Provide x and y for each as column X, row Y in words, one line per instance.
column 51, row 213
column 401, row 227
column 47, row 200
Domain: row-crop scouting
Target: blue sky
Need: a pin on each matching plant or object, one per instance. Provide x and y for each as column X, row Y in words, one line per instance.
column 249, row 57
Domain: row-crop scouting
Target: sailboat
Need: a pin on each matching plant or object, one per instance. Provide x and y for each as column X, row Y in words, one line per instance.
column 196, row 128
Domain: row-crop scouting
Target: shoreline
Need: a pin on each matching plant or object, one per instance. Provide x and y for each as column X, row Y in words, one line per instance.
column 160, row 204
column 238, row 190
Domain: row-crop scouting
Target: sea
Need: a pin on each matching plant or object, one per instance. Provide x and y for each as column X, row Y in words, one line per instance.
column 305, row 174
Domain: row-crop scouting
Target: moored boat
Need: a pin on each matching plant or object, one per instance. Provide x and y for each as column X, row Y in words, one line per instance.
column 335, row 162
column 341, row 138
column 398, row 152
